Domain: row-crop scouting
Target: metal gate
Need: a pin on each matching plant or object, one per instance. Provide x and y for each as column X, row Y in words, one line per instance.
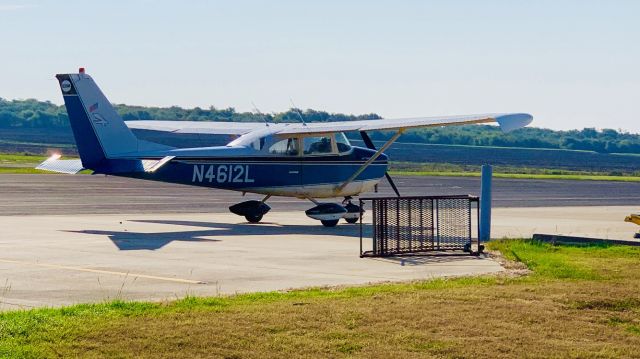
column 403, row 225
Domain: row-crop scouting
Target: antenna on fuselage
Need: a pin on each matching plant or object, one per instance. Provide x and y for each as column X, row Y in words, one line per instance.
column 297, row 110
column 255, row 108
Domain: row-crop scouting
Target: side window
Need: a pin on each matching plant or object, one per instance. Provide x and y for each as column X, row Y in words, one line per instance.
column 342, row 142
column 317, row 145
column 286, row 147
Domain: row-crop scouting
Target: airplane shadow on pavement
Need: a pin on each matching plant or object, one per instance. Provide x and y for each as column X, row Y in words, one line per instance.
column 126, row 240
column 430, row 258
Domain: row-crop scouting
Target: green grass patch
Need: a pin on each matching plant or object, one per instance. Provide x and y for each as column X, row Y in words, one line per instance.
column 22, row 170
column 521, row 176
column 12, row 158
column 501, row 171
column 30, row 170
column 634, row 329
column 13, row 163
column 584, row 262
column 577, row 290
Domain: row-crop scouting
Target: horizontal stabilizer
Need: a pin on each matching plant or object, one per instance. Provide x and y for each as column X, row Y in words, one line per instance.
column 55, row 164
column 153, row 165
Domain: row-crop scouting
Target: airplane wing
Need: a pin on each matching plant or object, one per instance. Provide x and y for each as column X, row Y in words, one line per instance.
column 507, row 121
column 202, row 127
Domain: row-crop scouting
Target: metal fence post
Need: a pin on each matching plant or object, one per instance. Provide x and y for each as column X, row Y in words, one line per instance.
column 485, row 203
column 438, row 222
column 360, row 203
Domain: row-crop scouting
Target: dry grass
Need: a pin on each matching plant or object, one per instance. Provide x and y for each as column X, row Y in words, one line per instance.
column 578, row 302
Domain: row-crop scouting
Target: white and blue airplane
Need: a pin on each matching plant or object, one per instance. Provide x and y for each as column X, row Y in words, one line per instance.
column 307, row 161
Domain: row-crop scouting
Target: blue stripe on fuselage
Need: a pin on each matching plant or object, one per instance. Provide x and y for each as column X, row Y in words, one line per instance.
column 239, row 173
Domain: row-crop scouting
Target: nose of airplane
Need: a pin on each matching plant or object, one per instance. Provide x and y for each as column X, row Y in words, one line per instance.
column 365, row 153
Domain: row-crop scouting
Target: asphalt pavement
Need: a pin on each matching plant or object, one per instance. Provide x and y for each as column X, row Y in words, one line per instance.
column 99, row 194
column 71, row 239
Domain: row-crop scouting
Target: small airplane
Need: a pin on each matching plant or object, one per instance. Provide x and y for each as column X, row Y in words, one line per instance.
column 302, row 160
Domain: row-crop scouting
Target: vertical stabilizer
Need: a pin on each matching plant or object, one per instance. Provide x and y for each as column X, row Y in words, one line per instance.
column 99, row 131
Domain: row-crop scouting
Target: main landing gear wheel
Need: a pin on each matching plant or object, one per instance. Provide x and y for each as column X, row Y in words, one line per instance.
column 253, row 218
column 351, row 220
column 330, row 223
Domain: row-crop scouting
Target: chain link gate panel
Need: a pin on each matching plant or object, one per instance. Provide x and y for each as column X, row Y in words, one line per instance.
column 404, row 225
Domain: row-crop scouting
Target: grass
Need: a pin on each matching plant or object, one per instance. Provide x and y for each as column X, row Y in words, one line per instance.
column 12, row 163
column 25, row 163
column 520, row 176
column 579, row 301
column 456, row 170
column 569, row 177
column 22, row 170
column 20, row 163
column 12, row 159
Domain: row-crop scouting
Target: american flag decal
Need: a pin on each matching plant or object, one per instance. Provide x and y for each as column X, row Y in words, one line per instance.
column 93, row 107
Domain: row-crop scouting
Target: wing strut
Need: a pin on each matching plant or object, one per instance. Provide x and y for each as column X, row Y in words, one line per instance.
column 370, row 145
column 370, row 160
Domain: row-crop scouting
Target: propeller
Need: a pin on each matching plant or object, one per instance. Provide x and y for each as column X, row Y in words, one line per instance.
column 369, row 144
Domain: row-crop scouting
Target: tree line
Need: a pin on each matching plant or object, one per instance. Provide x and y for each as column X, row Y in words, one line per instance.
column 46, row 115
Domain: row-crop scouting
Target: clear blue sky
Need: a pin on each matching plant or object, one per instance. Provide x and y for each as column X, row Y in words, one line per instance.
column 572, row 64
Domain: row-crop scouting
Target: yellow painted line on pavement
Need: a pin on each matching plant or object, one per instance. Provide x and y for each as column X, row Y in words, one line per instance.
column 100, row 271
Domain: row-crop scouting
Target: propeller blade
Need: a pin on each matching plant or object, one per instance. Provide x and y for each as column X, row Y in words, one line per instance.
column 371, row 146
column 367, row 140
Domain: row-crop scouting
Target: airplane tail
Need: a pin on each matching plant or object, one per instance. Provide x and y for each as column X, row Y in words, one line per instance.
column 99, row 131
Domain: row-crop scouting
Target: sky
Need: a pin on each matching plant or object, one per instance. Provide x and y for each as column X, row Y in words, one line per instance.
column 571, row 64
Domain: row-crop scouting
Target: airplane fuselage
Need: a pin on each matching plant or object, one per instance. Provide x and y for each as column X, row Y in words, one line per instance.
column 303, row 177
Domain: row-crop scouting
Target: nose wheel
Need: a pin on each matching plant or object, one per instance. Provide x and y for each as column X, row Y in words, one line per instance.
column 354, row 212
column 330, row 223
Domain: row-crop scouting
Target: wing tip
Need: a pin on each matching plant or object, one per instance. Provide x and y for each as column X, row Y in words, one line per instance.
column 513, row 121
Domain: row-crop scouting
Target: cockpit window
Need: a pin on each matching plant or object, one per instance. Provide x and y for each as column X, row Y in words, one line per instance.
column 286, row 147
column 317, row 145
column 258, row 144
column 342, row 142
